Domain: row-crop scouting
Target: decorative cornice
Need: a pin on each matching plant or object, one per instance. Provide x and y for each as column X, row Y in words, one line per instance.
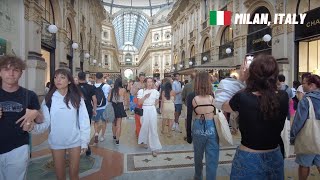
column 33, row 11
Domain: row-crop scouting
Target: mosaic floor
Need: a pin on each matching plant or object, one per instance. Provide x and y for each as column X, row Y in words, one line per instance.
column 130, row 161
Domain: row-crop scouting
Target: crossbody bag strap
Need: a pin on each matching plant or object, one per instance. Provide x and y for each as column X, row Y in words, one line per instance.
column 311, row 109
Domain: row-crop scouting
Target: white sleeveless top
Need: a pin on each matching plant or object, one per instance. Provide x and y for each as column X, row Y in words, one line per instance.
column 153, row 96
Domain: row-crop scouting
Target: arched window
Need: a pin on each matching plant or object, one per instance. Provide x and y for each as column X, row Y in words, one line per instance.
column 128, row 59
column 48, row 13
column 206, row 45
column 227, row 35
column 255, row 43
column 69, row 29
column 226, row 43
column 192, row 51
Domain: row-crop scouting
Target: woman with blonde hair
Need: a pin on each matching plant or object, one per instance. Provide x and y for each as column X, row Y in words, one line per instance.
column 203, row 132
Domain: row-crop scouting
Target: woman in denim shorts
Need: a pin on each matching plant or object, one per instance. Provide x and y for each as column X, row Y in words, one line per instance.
column 204, row 133
column 262, row 114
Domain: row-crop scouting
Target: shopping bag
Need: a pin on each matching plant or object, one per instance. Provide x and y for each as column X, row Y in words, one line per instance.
column 222, row 126
column 307, row 140
column 285, row 135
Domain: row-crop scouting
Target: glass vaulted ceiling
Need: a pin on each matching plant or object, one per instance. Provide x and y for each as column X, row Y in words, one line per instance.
column 130, row 21
column 130, row 27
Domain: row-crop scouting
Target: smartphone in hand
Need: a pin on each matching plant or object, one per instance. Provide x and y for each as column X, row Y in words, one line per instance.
column 249, row 59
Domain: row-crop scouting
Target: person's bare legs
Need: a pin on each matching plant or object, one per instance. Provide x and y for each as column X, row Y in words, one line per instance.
column 103, row 127
column 74, row 158
column 118, row 128
column 59, row 163
column 304, row 172
column 96, row 127
column 170, row 121
column 164, row 124
column 114, row 128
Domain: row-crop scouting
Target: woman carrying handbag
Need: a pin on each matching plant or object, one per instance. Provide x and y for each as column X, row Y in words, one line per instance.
column 305, row 131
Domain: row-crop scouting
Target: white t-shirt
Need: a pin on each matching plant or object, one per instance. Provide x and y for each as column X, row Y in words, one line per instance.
column 300, row 89
column 106, row 89
column 151, row 99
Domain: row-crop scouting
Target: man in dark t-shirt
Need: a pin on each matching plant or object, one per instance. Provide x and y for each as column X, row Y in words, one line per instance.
column 19, row 108
column 90, row 99
column 88, row 92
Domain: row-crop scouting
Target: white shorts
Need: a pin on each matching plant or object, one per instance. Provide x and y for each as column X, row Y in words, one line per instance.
column 13, row 164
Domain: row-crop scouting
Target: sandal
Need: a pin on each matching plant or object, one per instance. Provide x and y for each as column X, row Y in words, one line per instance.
column 154, row 154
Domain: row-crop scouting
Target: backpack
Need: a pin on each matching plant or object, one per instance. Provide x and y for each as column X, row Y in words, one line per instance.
column 85, row 94
column 101, row 98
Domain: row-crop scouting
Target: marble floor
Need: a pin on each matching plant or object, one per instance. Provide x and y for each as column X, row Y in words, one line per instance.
column 130, row 161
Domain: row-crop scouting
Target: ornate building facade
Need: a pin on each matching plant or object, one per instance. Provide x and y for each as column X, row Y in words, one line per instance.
column 197, row 45
column 26, row 33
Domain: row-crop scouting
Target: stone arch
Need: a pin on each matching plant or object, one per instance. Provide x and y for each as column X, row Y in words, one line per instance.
column 73, row 28
column 57, row 13
column 190, row 50
column 219, row 34
column 254, row 6
column 202, row 43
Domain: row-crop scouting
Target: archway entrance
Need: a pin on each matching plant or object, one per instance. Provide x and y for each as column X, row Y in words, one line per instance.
column 128, row 74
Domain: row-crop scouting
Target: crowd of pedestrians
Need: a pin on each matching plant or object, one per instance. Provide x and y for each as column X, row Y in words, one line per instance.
column 258, row 103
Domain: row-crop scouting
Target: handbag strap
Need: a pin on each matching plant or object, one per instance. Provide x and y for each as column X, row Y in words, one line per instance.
column 311, row 109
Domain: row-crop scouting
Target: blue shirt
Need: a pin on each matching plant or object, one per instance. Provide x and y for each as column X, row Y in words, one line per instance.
column 176, row 87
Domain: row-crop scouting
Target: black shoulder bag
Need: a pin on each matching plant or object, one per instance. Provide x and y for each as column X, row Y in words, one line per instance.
column 138, row 111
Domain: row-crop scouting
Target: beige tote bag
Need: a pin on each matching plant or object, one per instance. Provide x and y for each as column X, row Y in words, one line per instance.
column 223, row 129
column 308, row 139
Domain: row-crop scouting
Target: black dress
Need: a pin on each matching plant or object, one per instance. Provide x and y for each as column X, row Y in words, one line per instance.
column 117, row 103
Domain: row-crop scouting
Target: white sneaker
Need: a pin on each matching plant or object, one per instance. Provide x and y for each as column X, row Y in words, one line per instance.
column 174, row 126
column 178, row 128
column 101, row 139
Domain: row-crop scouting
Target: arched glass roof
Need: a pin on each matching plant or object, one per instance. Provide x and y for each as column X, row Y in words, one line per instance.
column 131, row 18
column 130, row 26
column 150, row 7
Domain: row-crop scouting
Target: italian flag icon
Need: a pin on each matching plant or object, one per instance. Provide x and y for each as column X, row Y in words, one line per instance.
column 220, row 17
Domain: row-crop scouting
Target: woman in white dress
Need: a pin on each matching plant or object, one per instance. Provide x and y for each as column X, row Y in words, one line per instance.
column 149, row 97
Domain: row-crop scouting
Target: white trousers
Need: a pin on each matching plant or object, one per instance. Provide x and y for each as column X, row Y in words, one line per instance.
column 149, row 128
column 13, row 164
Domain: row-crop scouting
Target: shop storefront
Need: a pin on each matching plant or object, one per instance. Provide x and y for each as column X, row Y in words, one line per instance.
column 255, row 43
column 307, row 37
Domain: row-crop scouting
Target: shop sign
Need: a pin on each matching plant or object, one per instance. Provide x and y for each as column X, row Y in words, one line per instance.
column 311, row 26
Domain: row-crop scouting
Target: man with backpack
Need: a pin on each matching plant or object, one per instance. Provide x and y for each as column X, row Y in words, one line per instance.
column 90, row 99
column 101, row 92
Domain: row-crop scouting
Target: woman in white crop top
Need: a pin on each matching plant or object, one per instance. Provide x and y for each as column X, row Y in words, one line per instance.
column 149, row 97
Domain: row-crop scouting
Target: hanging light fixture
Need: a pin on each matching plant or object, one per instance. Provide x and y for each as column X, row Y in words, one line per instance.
column 190, row 63
column 266, row 38
column 228, row 50
column 52, row 29
column 94, row 61
column 75, row 45
column 204, row 58
column 181, row 65
column 86, row 55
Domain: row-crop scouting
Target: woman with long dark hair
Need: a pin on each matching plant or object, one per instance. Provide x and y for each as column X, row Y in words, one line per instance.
column 167, row 110
column 117, row 97
column 66, row 114
column 148, row 98
column 203, row 133
column 262, row 114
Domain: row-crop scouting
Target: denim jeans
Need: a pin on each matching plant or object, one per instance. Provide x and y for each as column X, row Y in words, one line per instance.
column 262, row 166
column 205, row 139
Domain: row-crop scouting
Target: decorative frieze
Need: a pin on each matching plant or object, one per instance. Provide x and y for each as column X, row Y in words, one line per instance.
column 277, row 29
column 33, row 11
